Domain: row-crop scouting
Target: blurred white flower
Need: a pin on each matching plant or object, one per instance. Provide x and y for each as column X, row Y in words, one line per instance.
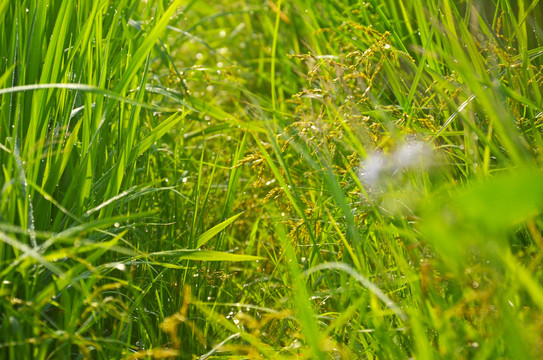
column 380, row 169
column 413, row 154
column 372, row 168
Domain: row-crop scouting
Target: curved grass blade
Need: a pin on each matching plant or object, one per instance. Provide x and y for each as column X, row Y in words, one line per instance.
column 364, row 281
column 86, row 88
column 209, row 234
column 201, row 255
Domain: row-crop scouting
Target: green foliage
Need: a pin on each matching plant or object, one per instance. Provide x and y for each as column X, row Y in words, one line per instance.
column 283, row 179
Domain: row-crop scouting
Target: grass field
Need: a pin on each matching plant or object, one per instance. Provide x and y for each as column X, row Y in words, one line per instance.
column 304, row 179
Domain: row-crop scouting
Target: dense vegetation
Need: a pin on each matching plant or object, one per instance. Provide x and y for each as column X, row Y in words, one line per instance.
column 305, row 179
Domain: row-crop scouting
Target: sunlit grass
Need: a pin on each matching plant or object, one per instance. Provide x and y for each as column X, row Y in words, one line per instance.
column 281, row 179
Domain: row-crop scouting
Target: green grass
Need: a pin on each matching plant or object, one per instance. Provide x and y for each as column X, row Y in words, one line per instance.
column 283, row 179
